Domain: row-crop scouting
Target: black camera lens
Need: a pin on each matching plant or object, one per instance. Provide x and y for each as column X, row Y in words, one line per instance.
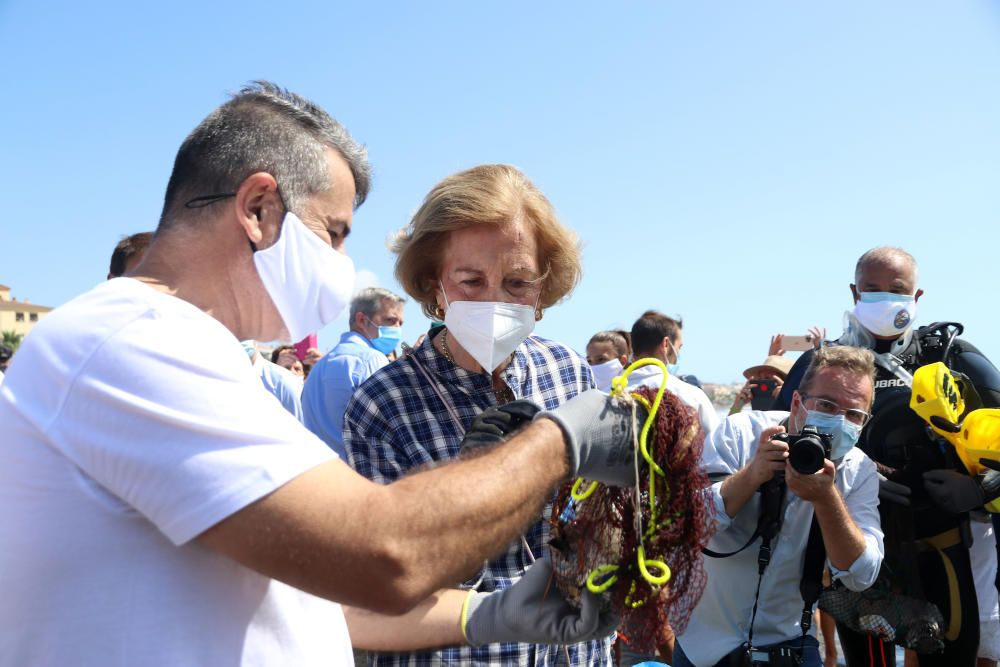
column 807, row 451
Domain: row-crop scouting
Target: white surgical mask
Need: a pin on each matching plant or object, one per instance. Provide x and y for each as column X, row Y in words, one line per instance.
column 885, row 313
column 488, row 330
column 604, row 373
column 309, row 282
column 844, row 434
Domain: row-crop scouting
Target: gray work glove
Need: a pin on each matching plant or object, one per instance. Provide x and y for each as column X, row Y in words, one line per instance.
column 892, row 492
column 953, row 491
column 533, row 611
column 495, row 423
column 598, row 434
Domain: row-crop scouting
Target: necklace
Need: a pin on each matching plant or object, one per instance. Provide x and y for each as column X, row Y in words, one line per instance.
column 444, row 348
column 501, row 390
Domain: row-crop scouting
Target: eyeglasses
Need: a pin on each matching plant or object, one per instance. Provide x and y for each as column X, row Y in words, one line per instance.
column 828, row 407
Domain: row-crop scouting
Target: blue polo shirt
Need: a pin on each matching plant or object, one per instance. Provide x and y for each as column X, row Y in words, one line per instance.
column 332, row 382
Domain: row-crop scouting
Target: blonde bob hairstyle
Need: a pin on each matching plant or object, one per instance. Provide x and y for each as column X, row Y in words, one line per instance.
column 490, row 194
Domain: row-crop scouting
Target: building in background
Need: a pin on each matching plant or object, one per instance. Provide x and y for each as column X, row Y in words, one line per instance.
column 18, row 317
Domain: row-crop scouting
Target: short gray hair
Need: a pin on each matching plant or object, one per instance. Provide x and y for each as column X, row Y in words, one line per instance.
column 884, row 255
column 369, row 301
column 263, row 128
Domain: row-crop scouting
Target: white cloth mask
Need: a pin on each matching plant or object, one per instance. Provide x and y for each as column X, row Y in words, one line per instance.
column 488, row 330
column 885, row 313
column 309, row 282
column 604, row 373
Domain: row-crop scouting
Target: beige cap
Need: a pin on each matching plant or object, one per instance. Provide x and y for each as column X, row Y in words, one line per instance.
column 775, row 362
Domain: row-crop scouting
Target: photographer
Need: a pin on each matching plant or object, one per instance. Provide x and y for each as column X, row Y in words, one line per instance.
column 752, row 609
column 926, row 492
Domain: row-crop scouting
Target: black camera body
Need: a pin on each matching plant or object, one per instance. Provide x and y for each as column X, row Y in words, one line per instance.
column 806, row 450
column 748, row 656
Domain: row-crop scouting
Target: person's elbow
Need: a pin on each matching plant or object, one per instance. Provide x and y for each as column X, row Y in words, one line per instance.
column 398, row 584
column 863, row 572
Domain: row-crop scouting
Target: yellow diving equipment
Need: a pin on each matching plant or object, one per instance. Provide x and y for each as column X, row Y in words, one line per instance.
column 938, row 398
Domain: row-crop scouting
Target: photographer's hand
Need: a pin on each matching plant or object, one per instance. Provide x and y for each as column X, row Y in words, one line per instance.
column 769, row 458
column 842, row 538
column 815, row 488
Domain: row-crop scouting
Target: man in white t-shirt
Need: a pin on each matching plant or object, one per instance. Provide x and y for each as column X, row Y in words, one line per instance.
column 160, row 508
column 654, row 335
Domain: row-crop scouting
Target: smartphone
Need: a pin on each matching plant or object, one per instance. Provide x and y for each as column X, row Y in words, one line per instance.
column 760, row 388
column 797, row 343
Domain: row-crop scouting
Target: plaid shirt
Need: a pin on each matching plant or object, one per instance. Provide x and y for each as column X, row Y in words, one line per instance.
column 395, row 422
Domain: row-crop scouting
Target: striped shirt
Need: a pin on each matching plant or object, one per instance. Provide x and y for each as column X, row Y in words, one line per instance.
column 396, row 421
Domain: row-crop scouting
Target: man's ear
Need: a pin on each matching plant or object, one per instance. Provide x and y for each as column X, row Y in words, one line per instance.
column 920, row 293
column 259, row 209
column 796, row 405
column 854, row 292
column 359, row 320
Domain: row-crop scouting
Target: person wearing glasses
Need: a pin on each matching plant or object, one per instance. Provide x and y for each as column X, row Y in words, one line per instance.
column 749, row 614
column 927, row 495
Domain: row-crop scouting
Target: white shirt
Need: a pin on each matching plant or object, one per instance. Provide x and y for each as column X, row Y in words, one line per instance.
column 652, row 376
column 132, row 422
column 721, row 620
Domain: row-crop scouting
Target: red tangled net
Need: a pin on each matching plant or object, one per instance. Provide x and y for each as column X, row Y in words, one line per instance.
column 603, row 538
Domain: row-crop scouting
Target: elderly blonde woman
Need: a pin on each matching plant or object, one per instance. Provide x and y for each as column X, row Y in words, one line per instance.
column 486, row 255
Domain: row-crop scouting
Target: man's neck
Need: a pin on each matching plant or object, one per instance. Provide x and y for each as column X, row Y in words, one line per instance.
column 361, row 333
column 195, row 273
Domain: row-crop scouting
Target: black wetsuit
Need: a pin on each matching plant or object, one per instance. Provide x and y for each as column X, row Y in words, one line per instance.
column 896, row 439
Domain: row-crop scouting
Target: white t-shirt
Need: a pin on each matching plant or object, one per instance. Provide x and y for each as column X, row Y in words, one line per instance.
column 652, row 376
column 131, row 423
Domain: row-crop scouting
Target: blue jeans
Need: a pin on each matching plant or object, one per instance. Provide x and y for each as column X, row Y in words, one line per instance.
column 810, row 653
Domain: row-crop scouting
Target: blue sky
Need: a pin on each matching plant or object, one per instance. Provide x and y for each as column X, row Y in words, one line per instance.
column 727, row 162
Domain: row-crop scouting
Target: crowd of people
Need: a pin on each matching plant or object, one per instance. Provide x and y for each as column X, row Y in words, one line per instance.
column 161, row 507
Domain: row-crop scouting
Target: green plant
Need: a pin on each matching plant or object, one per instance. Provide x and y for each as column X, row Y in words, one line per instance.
column 12, row 339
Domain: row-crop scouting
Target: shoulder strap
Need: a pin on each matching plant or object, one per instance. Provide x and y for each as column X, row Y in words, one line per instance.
column 811, row 584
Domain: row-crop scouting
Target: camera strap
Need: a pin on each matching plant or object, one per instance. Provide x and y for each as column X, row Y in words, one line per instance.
column 772, row 496
column 811, row 584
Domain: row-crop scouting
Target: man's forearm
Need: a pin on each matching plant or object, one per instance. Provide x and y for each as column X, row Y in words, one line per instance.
column 334, row 534
column 473, row 507
column 737, row 490
column 842, row 538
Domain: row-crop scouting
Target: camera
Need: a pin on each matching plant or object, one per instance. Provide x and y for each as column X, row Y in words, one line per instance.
column 806, row 450
column 748, row 656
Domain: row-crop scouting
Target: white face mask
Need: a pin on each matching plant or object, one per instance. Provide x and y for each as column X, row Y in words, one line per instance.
column 488, row 330
column 885, row 313
column 309, row 282
column 604, row 373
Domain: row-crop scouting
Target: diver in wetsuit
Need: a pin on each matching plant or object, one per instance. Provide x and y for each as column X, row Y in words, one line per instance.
column 928, row 494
